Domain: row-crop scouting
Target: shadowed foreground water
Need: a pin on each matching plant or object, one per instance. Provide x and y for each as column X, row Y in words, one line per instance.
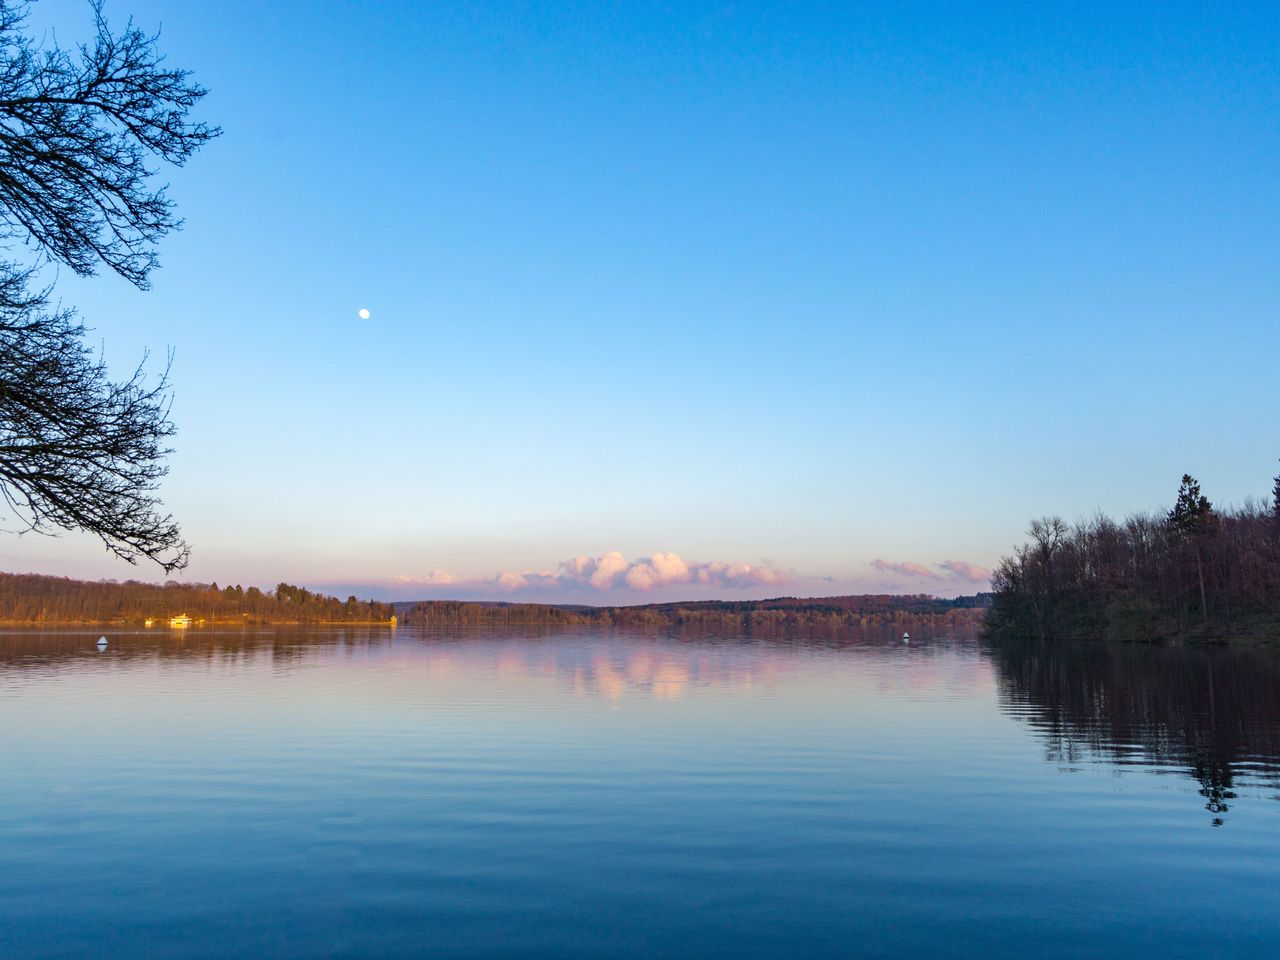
column 354, row 793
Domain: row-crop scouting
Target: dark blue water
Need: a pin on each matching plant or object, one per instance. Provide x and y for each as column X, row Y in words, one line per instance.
column 350, row 793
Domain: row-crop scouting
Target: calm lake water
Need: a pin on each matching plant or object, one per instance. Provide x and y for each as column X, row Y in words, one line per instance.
column 354, row 793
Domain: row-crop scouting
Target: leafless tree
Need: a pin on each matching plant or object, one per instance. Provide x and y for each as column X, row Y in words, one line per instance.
column 78, row 129
column 1147, row 576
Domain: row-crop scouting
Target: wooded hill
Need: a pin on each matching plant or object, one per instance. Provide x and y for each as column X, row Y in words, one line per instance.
column 782, row 613
column 31, row 598
column 1195, row 572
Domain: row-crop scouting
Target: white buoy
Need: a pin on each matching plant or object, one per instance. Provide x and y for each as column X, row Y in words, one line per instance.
column 102, row 643
column 906, row 638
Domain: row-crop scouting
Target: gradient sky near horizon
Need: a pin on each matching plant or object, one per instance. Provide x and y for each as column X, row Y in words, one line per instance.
column 699, row 299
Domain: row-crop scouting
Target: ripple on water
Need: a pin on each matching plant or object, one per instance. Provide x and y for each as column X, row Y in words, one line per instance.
column 312, row 793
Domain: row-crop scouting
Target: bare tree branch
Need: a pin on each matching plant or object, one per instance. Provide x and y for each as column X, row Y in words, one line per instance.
column 76, row 129
column 79, row 450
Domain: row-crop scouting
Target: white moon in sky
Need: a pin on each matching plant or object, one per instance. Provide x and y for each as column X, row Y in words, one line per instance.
column 363, row 313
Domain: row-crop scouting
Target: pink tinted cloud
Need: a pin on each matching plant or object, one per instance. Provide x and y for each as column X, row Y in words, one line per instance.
column 947, row 569
column 612, row 571
column 436, row 578
column 906, row 568
column 966, row 570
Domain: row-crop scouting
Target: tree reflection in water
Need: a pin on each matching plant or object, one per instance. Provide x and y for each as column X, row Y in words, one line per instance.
column 1210, row 712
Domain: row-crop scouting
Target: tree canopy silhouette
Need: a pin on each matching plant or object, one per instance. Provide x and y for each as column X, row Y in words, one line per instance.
column 1144, row 577
column 79, row 450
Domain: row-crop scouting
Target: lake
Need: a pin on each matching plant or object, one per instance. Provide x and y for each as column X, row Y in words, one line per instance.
column 354, row 792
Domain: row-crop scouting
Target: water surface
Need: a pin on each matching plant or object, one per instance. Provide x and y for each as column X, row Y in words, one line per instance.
column 357, row 793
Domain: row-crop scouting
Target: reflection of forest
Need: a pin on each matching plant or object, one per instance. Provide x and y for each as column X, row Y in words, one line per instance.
column 47, row 649
column 1213, row 713
column 284, row 644
column 606, row 663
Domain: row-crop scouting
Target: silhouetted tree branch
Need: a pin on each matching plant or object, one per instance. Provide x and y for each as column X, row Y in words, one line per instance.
column 79, row 450
column 75, row 134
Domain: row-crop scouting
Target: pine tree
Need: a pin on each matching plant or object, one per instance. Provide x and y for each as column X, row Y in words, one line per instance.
column 1192, row 511
column 1189, row 518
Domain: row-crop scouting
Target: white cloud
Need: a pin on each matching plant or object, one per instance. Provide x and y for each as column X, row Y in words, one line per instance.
column 510, row 580
column 612, row 571
column 658, row 571
column 603, row 572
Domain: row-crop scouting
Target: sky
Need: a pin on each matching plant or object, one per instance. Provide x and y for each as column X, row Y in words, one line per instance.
column 697, row 300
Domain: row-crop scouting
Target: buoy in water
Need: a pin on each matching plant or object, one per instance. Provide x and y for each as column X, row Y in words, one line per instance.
column 906, row 638
column 102, row 643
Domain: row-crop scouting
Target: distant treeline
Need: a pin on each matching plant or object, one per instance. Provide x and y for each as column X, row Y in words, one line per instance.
column 1193, row 572
column 31, row 598
column 834, row 613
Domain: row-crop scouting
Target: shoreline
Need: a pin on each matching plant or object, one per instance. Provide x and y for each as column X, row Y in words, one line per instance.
column 197, row 626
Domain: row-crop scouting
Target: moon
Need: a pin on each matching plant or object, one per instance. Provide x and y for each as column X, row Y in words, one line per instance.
column 363, row 313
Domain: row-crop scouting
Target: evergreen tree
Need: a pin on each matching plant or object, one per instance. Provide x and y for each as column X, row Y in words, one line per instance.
column 1192, row 511
column 1189, row 518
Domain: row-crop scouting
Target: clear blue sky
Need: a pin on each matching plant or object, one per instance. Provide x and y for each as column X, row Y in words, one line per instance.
column 808, row 285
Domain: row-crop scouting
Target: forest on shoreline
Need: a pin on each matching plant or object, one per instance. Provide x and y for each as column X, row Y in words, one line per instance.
column 782, row 614
column 1193, row 573
column 38, row 599
column 33, row 598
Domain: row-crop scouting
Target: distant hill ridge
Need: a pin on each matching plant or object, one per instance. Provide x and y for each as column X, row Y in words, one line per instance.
column 834, row 612
column 36, row 598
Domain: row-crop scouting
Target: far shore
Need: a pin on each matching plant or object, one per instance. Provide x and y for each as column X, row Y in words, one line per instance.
column 234, row 622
